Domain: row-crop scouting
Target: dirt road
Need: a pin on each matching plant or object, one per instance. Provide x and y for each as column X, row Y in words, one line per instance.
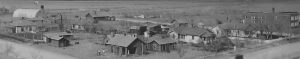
column 28, row 52
column 287, row 51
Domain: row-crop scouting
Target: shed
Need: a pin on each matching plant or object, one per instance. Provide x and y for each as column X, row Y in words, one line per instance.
column 59, row 39
column 126, row 45
column 27, row 13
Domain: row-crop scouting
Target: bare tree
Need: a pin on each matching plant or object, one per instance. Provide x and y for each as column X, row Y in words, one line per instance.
column 181, row 50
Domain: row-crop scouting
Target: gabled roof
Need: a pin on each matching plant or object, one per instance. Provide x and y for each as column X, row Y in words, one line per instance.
column 185, row 30
column 22, row 23
column 27, row 13
column 56, row 35
column 99, row 14
column 162, row 40
column 121, row 40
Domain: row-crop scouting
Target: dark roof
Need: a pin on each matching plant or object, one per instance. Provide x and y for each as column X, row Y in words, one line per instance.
column 185, row 30
column 121, row 40
column 35, row 19
column 162, row 40
column 56, row 35
column 99, row 14
column 144, row 39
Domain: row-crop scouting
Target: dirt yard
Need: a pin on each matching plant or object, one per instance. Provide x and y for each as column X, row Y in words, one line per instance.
column 19, row 51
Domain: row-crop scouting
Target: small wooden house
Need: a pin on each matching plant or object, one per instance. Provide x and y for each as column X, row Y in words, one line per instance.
column 4, row 10
column 126, row 45
column 60, row 39
column 160, row 43
column 95, row 17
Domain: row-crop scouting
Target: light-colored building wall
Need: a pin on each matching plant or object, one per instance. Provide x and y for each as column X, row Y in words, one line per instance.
column 190, row 39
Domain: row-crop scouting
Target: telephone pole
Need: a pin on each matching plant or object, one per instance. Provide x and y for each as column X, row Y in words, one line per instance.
column 61, row 25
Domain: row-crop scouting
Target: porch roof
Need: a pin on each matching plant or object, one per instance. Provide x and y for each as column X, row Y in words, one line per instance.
column 56, row 35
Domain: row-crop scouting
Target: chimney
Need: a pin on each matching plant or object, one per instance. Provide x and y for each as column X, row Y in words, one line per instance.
column 43, row 11
column 146, row 34
column 134, row 35
column 112, row 34
column 273, row 10
column 42, row 7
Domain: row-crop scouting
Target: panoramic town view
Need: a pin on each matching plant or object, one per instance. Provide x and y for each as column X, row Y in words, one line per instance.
column 149, row 29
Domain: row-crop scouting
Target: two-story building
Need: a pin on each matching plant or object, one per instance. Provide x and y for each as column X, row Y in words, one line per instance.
column 290, row 18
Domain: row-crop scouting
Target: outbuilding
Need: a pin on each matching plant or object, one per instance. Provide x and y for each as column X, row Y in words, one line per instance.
column 96, row 17
column 123, row 44
column 58, row 39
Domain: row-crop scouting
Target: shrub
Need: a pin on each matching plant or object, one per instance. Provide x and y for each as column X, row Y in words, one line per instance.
column 220, row 44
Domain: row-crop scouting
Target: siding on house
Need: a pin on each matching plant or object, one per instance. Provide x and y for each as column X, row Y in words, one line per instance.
column 193, row 34
column 126, row 45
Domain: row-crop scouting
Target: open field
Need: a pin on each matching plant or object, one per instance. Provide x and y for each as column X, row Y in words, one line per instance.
column 198, row 11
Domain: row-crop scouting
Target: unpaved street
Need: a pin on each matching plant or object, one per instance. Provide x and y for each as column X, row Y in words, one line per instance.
column 287, row 51
column 28, row 52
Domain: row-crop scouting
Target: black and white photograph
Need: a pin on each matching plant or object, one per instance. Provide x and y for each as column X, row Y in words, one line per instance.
column 149, row 29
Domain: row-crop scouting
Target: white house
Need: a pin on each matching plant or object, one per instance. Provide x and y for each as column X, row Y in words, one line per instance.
column 192, row 34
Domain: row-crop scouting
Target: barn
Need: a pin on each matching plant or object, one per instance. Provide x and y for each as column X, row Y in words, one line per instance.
column 27, row 13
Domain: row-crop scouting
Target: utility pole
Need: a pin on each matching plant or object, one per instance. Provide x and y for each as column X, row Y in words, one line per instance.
column 61, row 25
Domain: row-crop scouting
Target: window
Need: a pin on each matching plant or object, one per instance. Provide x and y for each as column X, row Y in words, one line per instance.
column 253, row 17
column 22, row 29
column 296, row 24
column 245, row 17
column 292, row 24
column 293, row 18
column 254, row 21
column 181, row 36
